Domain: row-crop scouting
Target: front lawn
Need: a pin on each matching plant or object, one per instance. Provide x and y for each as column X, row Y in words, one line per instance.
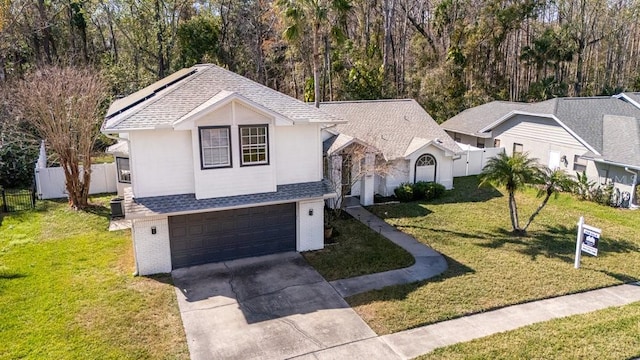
column 357, row 250
column 67, row 290
column 605, row 334
column 488, row 267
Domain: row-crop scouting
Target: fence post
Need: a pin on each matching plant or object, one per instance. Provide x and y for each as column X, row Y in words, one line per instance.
column 4, row 202
column 33, row 197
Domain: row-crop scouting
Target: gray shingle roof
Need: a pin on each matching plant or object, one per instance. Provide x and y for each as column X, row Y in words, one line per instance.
column 168, row 105
column 470, row 121
column 388, row 125
column 585, row 116
column 621, row 138
column 172, row 204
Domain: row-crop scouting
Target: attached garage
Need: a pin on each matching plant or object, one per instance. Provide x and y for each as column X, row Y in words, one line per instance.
column 231, row 234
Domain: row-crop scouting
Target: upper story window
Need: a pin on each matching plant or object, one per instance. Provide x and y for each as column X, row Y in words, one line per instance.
column 215, row 147
column 517, row 148
column 124, row 171
column 496, row 142
column 254, row 145
column 457, row 137
column 480, row 143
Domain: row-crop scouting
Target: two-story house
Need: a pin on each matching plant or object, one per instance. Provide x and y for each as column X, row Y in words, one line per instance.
column 220, row 168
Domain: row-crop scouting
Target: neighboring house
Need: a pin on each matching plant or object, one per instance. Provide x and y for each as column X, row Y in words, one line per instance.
column 220, row 167
column 403, row 141
column 598, row 135
column 631, row 97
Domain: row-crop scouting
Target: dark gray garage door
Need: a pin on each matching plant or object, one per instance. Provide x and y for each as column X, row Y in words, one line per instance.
column 232, row 234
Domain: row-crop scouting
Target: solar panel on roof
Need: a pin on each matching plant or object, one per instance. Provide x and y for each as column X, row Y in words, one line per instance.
column 139, row 96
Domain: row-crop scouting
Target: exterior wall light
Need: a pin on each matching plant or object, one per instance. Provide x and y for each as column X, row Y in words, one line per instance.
column 153, row 230
column 310, row 212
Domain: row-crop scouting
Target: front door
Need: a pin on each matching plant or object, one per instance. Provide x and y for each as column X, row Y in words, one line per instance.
column 554, row 160
column 346, row 175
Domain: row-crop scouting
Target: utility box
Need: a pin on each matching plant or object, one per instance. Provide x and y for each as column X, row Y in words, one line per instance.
column 117, row 207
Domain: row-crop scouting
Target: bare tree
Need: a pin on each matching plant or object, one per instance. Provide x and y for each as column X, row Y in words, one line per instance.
column 359, row 161
column 63, row 106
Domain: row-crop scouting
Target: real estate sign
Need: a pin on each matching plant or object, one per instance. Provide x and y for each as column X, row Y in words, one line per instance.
column 590, row 238
column 587, row 241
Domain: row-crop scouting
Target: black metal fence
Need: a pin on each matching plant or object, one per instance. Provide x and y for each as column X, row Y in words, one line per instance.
column 17, row 200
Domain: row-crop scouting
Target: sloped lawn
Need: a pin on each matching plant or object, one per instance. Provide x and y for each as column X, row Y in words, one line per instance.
column 488, row 267
column 67, row 291
column 602, row 335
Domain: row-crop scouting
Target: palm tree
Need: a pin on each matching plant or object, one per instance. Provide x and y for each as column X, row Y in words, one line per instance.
column 514, row 173
column 554, row 182
column 315, row 13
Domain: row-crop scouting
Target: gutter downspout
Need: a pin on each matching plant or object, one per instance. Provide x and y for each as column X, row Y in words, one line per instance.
column 633, row 187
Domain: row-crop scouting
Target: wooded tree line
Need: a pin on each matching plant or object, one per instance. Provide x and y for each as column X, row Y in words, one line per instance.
column 447, row 54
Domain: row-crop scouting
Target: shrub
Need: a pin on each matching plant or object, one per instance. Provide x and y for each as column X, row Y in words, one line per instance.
column 434, row 191
column 404, row 192
column 420, row 190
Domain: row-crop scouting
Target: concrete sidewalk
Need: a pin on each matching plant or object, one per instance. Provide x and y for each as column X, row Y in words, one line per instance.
column 429, row 263
column 415, row 342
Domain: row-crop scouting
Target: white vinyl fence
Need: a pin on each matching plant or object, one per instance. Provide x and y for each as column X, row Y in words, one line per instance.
column 473, row 160
column 50, row 181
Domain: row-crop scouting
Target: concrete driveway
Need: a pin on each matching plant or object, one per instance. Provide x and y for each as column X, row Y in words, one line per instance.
column 271, row 307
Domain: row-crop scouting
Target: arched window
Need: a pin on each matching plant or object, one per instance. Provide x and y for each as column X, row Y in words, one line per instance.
column 425, row 168
column 426, row 160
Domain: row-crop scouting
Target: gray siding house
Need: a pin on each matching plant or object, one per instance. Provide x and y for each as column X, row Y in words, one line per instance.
column 597, row 135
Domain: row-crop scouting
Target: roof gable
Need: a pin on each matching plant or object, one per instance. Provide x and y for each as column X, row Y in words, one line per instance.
column 221, row 99
column 388, row 125
column 621, row 138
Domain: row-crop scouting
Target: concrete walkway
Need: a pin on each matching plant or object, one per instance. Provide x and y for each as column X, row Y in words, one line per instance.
column 429, row 263
column 419, row 341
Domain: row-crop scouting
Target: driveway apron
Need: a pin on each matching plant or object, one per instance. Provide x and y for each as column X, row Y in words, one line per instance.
column 271, row 307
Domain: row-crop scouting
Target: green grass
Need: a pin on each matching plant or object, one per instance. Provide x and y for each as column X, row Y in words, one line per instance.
column 488, row 267
column 102, row 158
column 358, row 250
column 67, row 290
column 606, row 334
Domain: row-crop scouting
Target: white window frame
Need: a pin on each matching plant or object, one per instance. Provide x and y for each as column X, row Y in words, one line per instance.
column 518, row 145
column 124, row 175
column 222, row 133
column 254, row 142
column 579, row 164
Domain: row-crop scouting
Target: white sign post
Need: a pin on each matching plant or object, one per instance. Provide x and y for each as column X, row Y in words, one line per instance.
column 579, row 242
column 587, row 241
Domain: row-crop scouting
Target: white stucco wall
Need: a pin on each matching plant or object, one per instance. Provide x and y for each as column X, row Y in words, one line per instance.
column 310, row 227
column 152, row 251
column 398, row 174
column 444, row 167
column 298, row 150
column 235, row 180
column 167, row 161
column 161, row 162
